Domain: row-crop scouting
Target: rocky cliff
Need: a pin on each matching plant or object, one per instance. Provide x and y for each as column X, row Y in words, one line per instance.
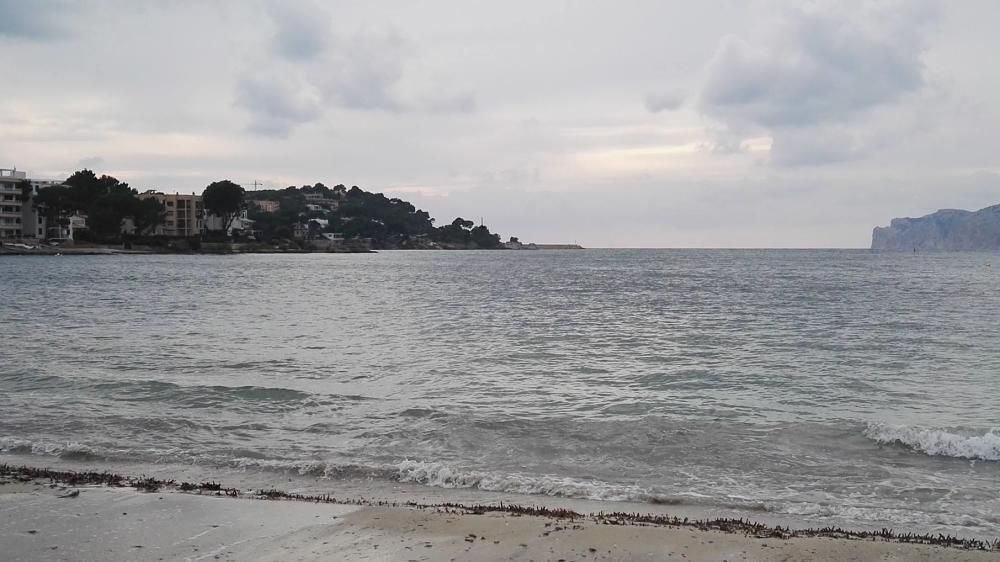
column 947, row 229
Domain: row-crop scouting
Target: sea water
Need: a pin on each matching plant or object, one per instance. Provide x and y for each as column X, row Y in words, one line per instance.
column 811, row 386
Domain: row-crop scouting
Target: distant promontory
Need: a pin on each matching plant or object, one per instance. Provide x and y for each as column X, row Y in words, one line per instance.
column 947, row 229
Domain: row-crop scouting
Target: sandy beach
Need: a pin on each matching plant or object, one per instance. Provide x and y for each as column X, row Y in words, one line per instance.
column 44, row 520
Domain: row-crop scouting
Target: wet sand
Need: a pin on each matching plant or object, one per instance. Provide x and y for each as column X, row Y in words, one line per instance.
column 42, row 521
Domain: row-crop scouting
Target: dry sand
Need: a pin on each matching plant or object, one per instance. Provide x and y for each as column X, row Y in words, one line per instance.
column 121, row 524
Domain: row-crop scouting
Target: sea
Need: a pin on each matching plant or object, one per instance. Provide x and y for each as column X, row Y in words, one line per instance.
column 820, row 387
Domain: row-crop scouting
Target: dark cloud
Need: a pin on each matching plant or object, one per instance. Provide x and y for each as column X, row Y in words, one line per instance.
column 302, row 29
column 819, row 68
column 276, row 106
column 32, row 19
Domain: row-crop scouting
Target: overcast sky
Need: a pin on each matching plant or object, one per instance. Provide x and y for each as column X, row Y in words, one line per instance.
column 716, row 123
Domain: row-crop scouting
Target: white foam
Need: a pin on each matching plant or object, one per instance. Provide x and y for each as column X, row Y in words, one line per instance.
column 18, row 446
column 444, row 476
column 938, row 442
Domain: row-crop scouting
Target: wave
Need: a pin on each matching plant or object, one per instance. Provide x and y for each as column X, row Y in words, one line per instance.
column 434, row 474
column 441, row 475
column 69, row 451
column 936, row 442
column 444, row 475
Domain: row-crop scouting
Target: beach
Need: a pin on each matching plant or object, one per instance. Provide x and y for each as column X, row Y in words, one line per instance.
column 50, row 519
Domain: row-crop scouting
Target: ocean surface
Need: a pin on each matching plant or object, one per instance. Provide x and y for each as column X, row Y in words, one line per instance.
column 813, row 386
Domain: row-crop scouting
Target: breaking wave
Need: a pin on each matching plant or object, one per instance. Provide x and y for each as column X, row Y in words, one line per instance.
column 938, row 442
column 441, row 475
column 448, row 476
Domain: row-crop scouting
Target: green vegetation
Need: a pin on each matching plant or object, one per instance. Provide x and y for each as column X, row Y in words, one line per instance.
column 224, row 199
column 105, row 201
column 356, row 213
column 295, row 216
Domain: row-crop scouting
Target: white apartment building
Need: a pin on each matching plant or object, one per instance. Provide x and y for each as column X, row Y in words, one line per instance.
column 20, row 219
column 11, row 207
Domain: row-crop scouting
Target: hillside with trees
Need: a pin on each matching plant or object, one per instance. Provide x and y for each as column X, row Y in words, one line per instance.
column 359, row 214
column 292, row 217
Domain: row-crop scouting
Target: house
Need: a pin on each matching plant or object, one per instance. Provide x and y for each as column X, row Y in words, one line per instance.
column 319, row 200
column 241, row 223
column 266, row 205
column 310, row 229
column 75, row 223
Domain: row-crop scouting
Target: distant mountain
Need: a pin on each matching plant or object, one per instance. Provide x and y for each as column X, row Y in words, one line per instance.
column 947, row 229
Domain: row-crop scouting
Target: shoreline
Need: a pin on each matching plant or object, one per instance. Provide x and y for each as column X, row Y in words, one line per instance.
column 537, row 532
column 211, row 248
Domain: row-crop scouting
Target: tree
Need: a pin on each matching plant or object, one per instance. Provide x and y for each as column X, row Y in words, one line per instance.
column 388, row 221
column 462, row 223
column 56, row 203
column 147, row 214
column 86, row 189
column 483, row 238
column 458, row 232
column 106, row 214
column 26, row 191
column 105, row 200
column 226, row 200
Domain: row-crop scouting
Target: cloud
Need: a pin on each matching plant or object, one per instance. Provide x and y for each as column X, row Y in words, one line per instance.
column 820, row 67
column 365, row 71
column 814, row 146
column 92, row 163
column 449, row 103
column 277, row 105
column 667, row 100
column 302, row 29
column 34, row 19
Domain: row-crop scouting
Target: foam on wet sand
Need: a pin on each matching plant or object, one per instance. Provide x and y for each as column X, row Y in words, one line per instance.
column 103, row 523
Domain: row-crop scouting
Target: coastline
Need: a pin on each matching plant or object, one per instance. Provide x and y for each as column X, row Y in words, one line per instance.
column 214, row 248
column 56, row 515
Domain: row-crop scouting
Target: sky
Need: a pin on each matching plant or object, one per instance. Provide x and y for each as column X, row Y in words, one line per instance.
column 647, row 123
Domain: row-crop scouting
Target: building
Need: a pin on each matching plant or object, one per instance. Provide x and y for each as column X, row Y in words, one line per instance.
column 265, row 205
column 186, row 216
column 66, row 231
column 33, row 223
column 19, row 218
column 322, row 201
column 240, row 222
column 11, row 206
column 185, row 213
